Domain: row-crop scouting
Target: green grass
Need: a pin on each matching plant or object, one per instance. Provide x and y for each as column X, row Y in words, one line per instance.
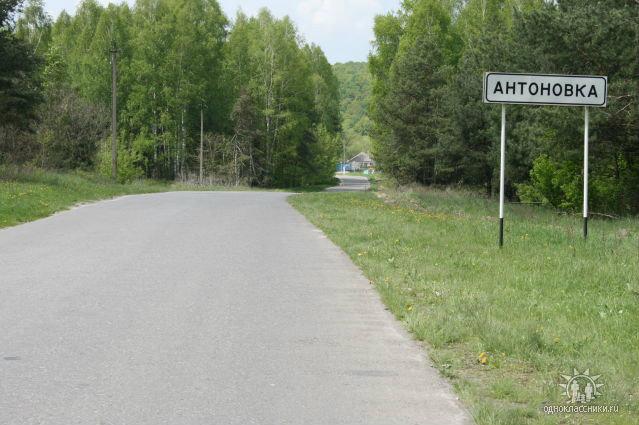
column 545, row 304
column 30, row 194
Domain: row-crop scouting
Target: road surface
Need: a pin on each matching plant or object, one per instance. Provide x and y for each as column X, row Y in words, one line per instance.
column 200, row 309
column 350, row 184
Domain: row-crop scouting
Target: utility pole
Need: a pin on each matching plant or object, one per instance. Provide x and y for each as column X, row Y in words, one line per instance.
column 344, row 155
column 201, row 144
column 114, row 115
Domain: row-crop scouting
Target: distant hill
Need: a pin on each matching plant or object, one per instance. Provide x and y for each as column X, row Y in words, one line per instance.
column 355, row 90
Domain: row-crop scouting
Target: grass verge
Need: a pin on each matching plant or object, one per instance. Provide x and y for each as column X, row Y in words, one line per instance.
column 30, row 194
column 546, row 304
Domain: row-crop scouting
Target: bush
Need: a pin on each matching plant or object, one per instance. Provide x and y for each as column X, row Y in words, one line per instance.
column 129, row 168
column 70, row 131
column 17, row 146
column 560, row 184
column 553, row 183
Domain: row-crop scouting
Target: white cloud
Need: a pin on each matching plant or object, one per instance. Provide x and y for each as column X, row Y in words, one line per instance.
column 336, row 15
column 343, row 28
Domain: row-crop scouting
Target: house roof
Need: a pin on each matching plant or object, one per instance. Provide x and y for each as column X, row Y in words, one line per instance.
column 361, row 157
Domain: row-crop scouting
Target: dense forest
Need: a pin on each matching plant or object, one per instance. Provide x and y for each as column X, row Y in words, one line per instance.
column 355, row 92
column 429, row 122
column 250, row 102
column 265, row 102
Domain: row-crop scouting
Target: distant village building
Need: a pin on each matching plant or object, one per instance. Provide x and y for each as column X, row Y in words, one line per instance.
column 361, row 161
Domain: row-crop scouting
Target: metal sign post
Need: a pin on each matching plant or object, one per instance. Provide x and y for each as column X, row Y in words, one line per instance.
column 586, row 153
column 543, row 89
column 502, row 176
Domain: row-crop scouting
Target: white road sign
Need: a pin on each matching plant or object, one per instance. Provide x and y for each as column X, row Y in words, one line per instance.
column 543, row 89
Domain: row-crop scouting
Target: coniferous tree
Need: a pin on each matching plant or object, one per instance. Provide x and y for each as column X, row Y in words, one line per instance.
column 19, row 85
column 430, row 124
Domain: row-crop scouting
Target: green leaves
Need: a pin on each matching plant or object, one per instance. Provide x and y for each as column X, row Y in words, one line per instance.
column 266, row 103
column 19, row 83
column 355, row 95
column 254, row 83
column 409, row 113
column 285, row 92
column 431, row 126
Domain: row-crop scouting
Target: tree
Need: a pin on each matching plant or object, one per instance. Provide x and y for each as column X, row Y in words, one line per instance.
column 293, row 91
column 485, row 28
column 247, row 132
column 431, row 126
column 325, row 89
column 388, row 31
column 19, row 85
column 410, row 110
column 598, row 39
column 34, row 26
column 267, row 102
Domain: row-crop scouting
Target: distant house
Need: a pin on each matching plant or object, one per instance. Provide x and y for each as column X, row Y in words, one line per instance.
column 361, row 161
column 345, row 166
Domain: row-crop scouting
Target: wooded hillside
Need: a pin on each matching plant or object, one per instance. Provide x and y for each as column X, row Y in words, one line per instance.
column 355, row 91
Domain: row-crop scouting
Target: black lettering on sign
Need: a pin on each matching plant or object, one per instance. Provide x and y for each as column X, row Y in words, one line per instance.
column 533, row 89
column 569, row 90
column 522, row 87
column 540, row 89
column 557, row 89
column 580, row 91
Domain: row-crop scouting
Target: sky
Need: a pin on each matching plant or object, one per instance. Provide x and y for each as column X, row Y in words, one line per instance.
column 342, row 28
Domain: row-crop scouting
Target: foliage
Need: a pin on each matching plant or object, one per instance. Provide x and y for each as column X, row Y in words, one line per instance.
column 130, row 161
column 284, row 92
column 560, row 184
column 19, row 85
column 17, row 145
column 69, row 130
column 429, row 122
column 181, row 67
column 355, row 92
column 34, row 26
column 551, row 183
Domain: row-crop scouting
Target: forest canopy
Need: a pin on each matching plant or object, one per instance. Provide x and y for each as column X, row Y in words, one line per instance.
column 267, row 101
column 430, row 125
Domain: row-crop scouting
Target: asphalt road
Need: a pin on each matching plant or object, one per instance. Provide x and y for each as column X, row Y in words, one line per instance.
column 350, row 184
column 200, row 308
